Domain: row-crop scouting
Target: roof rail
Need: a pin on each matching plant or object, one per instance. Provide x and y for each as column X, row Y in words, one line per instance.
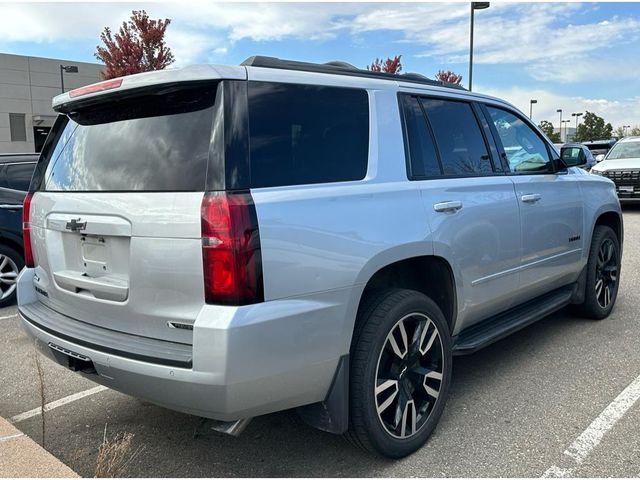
column 341, row 68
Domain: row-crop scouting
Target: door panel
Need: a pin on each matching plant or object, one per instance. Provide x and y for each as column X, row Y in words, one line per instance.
column 551, row 231
column 550, row 203
column 481, row 240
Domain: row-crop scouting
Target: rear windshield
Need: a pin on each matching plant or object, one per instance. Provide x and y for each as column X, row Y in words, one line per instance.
column 154, row 142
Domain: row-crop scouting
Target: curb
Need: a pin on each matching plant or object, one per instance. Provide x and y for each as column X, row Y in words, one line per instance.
column 20, row 456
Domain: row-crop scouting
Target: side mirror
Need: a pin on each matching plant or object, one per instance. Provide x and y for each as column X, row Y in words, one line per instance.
column 600, row 157
column 573, row 156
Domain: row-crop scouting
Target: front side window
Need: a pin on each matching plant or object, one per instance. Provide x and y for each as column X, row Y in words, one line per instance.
column 458, row 137
column 523, row 147
column 307, row 134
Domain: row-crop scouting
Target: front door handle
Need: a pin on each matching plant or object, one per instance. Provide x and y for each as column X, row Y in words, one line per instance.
column 451, row 206
column 531, row 197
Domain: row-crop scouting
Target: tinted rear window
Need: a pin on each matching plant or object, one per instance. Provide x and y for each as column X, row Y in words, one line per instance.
column 305, row 134
column 156, row 142
column 18, row 176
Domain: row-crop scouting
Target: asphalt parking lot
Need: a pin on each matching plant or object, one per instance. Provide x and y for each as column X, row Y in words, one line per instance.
column 514, row 409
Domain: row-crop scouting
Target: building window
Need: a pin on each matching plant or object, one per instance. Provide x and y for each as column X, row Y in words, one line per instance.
column 17, row 127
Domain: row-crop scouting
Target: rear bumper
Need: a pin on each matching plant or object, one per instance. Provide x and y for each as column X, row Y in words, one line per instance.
column 246, row 361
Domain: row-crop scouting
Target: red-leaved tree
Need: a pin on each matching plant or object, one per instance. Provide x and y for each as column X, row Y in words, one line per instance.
column 448, row 76
column 390, row 65
column 137, row 47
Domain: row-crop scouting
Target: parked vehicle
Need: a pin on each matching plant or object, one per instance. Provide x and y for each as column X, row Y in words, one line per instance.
column 599, row 148
column 15, row 175
column 230, row 241
column 622, row 165
column 590, row 160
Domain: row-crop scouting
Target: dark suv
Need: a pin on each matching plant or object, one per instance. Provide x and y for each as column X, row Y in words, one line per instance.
column 15, row 174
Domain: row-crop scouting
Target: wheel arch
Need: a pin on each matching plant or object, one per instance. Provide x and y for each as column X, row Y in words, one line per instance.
column 613, row 220
column 428, row 274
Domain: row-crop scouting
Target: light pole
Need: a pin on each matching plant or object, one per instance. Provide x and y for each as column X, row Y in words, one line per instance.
column 577, row 115
column 531, row 102
column 624, row 129
column 68, row 69
column 560, row 123
column 566, row 122
column 474, row 6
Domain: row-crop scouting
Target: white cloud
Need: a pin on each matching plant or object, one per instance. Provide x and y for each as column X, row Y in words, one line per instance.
column 616, row 112
column 540, row 37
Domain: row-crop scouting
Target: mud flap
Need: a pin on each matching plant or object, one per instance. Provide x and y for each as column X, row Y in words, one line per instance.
column 331, row 415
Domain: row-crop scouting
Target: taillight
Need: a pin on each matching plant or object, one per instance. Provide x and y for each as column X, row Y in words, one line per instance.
column 26, row 231
column 231, row 249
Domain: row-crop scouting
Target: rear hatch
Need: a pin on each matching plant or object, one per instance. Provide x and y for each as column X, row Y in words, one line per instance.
column 115, row 221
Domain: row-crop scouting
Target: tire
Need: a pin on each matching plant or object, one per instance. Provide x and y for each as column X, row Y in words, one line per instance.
column 422, row 375
column 11, row 262
column 597, row 303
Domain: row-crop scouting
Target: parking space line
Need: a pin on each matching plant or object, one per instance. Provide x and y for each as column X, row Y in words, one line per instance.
column 6, row 438
column 582, row 446
column 57, row 403
column 9, row 316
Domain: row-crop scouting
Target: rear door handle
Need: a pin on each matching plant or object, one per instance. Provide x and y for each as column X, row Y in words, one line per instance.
column 531, row 197
column 452, row 206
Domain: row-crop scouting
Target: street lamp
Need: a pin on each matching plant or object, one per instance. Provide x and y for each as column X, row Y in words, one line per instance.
column 474, row 6
column 624, row 129
column 577, row 115
column 560, row 122
column 531, row 102
column 68, row 69
column 566, row 122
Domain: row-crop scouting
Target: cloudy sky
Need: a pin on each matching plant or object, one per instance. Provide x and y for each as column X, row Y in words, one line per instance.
column 574, row 56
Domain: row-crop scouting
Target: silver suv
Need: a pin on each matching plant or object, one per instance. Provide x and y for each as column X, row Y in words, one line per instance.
column 230, row 241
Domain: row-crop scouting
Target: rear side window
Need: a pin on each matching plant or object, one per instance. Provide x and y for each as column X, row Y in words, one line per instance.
column 306, row 134
column 155, row 142
column 420, row 146
column 18, row 176
column 458, row 137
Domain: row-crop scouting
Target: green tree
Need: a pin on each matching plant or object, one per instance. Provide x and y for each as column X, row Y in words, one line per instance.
column 547, row 128
column 593, row 128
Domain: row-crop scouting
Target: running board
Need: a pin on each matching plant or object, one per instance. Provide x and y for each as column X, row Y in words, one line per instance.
column 496, row 328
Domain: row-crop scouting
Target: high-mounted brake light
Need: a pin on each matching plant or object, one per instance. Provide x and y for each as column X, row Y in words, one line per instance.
column 96, row 87
column 26, row 231
column 231, row 256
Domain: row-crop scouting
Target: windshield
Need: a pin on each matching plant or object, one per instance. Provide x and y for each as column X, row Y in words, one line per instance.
column 147, row 143
column 624, row 150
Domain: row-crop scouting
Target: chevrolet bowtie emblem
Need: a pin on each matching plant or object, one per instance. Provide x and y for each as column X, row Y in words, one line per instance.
column 75, row 225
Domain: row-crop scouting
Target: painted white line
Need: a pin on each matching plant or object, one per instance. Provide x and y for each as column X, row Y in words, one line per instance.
column 9, row 316
column 6, row 438
column 57, row 403
column 582, row 446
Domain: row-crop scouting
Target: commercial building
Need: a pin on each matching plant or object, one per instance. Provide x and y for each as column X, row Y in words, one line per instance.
column 27, row 85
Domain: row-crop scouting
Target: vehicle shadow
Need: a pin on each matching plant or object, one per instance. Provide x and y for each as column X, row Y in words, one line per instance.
column 281, row 445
